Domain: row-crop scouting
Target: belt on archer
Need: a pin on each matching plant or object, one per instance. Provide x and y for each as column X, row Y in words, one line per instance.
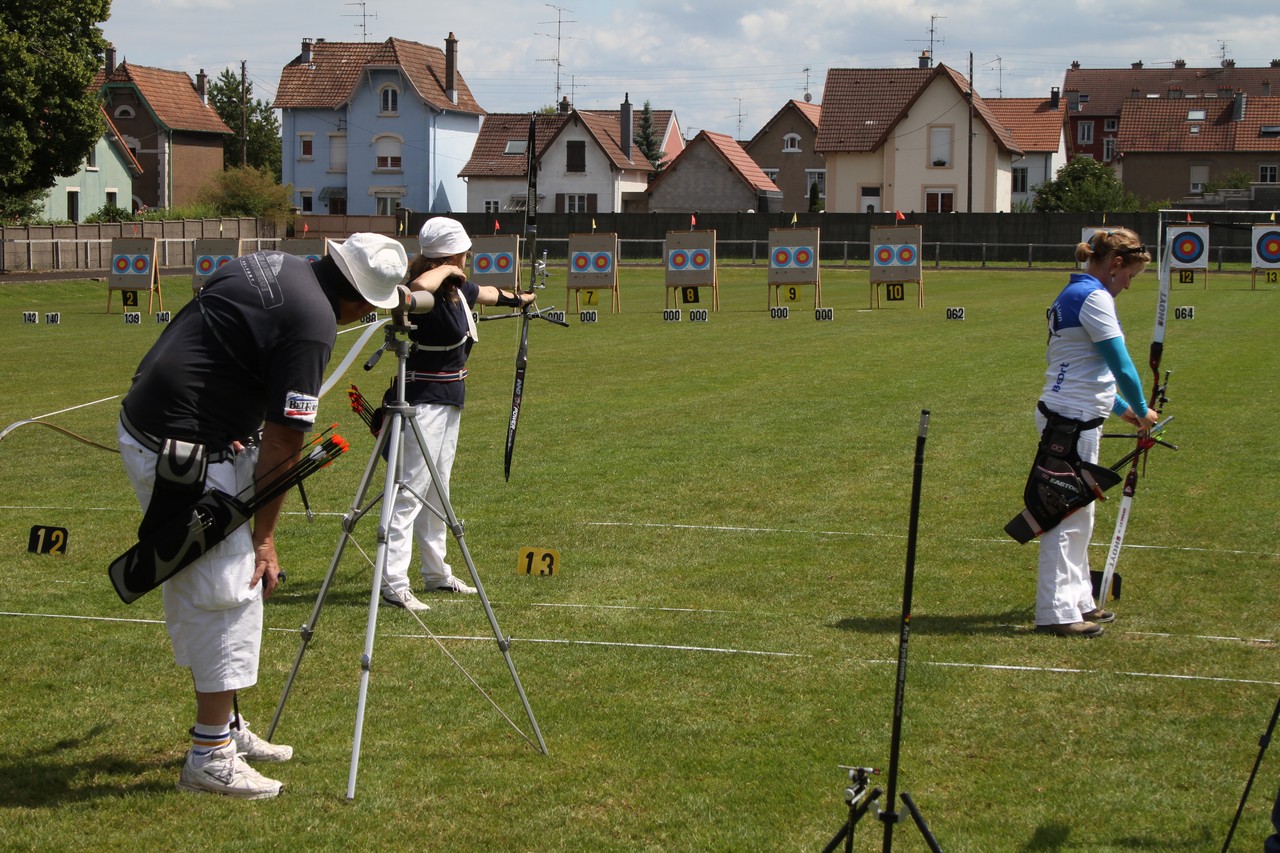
column 427, row 376
column 152, row 443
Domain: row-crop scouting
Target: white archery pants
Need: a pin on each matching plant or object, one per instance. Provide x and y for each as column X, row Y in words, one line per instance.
column 1063, row 588
column 410, row 521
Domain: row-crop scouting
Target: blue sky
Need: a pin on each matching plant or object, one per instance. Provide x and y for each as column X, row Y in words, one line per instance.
column 722, row 65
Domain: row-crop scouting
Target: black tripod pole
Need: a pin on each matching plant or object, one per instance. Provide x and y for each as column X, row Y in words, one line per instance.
column 890, row 816
column 1263, row 742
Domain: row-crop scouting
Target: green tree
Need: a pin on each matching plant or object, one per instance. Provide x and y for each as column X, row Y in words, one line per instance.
column 249, row 192
column 49, row 118
column 815, row 201
column 1084, row 185
column 646, row 139
column 261, row 126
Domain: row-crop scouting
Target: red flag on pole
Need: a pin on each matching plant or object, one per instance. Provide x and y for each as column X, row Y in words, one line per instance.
column 305, row 228
column 898, row 216
column 1188, row 216
column 693, row 221
column 496, row 227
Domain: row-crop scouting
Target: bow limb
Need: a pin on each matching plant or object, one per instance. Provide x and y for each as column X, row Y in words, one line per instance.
column 531, row 241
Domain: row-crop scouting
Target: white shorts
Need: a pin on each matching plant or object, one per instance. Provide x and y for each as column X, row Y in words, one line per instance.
column 213, row 616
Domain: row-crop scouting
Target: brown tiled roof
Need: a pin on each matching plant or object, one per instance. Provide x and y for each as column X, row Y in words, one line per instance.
column 488, row 157
column 1108, row 88
column 734, row 155
column 811, row 112
column 1158, row 125
column 1035, row 125
column 489, row 160
column 171, row 95
column 329, row 80
column 861, row 106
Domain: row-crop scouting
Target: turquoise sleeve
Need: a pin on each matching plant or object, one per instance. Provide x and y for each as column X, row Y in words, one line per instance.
column 1128, row 385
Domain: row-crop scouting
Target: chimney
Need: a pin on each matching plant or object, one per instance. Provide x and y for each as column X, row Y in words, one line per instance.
column 1075, row 65
column 624, row 126
column 109, row 58
column 202, row 87
column 1179, row 63
column 1228, row 63
column 451, row 69
column 1275, row 63
column 1055, row 97
column 306, row 51
column 1237, row 107
column 926, row 61
column 1136, row 65
column 565, row 106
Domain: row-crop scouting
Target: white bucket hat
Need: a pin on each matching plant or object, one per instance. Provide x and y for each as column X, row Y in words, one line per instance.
column 443, row 237
column 374, row 264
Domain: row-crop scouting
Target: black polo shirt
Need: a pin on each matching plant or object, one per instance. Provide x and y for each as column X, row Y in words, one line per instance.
column 252, row 346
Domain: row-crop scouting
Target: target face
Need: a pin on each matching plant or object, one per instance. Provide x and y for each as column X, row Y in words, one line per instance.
column 602, row 262
column 581, row 261
column 1266, row 247
column 803, row 257
column 206, row 264
column 907, row 256
column 224, row 259
column 884, row 256
column 782, row 257
column 1189, row 248
column 482, row 264
column 503, row 261
column 122, row 263
column 141, row 263
column 678, row 259
column 700, row 259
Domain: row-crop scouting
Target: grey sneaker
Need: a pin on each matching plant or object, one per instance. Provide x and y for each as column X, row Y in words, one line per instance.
column 228, row 774
column 405, row 600
column 1071, row 629
column 254, row 748
column 1098, row 615
column 452, row 584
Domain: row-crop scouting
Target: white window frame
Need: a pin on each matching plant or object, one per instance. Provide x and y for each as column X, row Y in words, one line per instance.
column 819, row 175
column 772, row 174
column 791, row 143
column 941, row 142
column 1268, row 173
column 940, row 192
column 575, row 203
column 386, row 204
column 492, row 205
column 389, row 100
column 124, row 111
column 338, row 152
column 1198, row 177
column 1019, row 179
column 305, row 141
column 306, row 202
column 1084, row 132
column 1110, row 125
column 388, row 153
column 1108, row 149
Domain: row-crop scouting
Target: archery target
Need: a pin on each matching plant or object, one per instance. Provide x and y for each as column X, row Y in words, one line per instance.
column 895, row 253
column 602, row 262
column 206, row 264
column 1266, row 246
column 700, row 259
column 223, row 259
column 581, row 262
column 503, row 262
column 678, row 259
column 122, row 264
column 1189, row 248
column 482, row 264
column 141, row 264
column 802, row 257
column 906, row 256
column 885, row 256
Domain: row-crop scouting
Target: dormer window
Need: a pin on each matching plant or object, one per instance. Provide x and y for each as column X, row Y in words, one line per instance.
column 517, row 146
column 390, row 100
column 791, row 142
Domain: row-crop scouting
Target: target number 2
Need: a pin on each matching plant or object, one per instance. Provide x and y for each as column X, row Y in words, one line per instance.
column 538, row 561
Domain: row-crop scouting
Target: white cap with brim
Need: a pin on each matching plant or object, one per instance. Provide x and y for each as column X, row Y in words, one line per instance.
column 374, row 264
column 443, row 237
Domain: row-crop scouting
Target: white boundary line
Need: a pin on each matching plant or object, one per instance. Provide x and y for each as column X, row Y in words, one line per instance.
column 725, row 651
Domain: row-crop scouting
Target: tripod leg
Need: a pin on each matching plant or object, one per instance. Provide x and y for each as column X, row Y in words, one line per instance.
column 393, row 427
column 1263, row 743
column 309, row 627
column 920, row 823
column 455, row 526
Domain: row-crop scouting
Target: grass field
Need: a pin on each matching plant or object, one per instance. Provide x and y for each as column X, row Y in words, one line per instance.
column 730, row 502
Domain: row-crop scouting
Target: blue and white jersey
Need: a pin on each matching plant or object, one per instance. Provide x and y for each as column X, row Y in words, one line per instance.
column 1077, row 379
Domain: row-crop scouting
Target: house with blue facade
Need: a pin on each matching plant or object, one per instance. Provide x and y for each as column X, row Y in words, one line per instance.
column 368, row 128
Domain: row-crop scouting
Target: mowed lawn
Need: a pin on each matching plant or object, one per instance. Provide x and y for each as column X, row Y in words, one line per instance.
column 729, row 501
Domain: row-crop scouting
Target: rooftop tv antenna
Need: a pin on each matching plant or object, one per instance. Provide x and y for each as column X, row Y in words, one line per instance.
column 999, row 64
column 364, row 19
column 808, row 96
column 740, row 116
column 559, row 22
column 1222, row 51
column 933, row 35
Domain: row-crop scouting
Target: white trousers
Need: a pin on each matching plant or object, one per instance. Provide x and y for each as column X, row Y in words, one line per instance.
column 213, row 616
column 1063, row 588
column 409, row 523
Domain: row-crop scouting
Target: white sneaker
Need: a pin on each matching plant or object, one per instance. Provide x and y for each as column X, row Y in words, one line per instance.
column 254, row 748
column 452, row 584
column 226, row 773
column 404, row 599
